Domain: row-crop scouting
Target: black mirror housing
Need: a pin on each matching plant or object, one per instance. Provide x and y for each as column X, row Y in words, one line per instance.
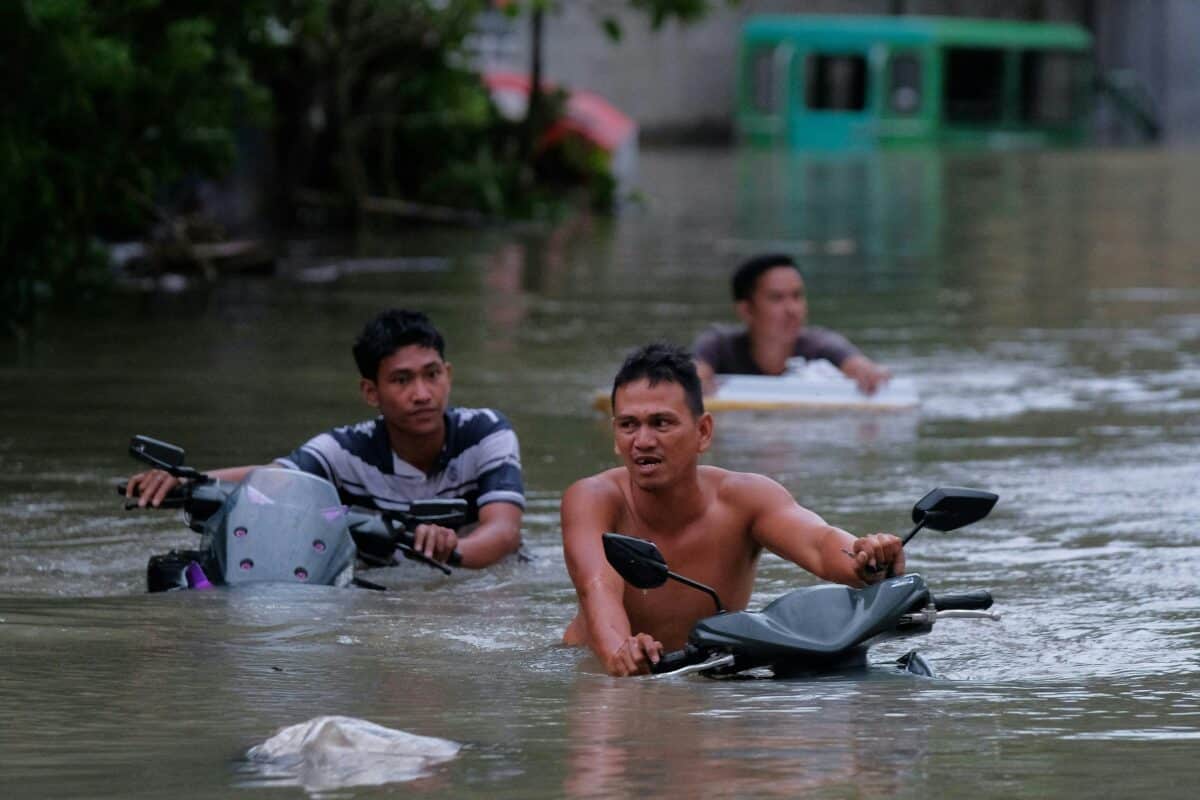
column 950, row 507
column 155, row 453
column 638, row 561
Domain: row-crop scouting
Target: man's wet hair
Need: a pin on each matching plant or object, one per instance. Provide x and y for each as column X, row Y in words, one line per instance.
column 388, row 332
column 659, row 362
column 747, row 275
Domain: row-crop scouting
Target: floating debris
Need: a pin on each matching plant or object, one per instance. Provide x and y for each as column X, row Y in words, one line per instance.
column 333, row 752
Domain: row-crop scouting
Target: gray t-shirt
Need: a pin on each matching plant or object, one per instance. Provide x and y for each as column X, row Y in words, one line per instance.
column 726, row 348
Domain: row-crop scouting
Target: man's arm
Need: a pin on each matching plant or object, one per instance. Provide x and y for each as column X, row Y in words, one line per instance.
column 866, row 373
column 151, row 486
column 835, row 348
column 797, row 534
column 501, row 500
column 708, row 377
column 497, row 535
column 587, row 513
column 706, row 355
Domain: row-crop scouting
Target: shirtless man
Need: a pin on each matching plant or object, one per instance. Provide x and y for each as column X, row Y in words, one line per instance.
column 770, row 299
column 710, row 524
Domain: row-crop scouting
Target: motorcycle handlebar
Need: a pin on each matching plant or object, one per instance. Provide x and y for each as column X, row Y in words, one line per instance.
column 978, row 599
column 678, row 659
column 379, row 536
column 176, row 498
column 406, row 539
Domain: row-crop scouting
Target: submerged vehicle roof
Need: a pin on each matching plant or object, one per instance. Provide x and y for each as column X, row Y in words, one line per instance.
column 831, row 30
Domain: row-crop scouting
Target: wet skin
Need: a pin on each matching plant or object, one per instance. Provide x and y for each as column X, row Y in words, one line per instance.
column 777, row 309
column 710, row 524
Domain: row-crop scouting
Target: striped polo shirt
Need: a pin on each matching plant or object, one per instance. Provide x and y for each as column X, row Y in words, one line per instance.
column 480, row 462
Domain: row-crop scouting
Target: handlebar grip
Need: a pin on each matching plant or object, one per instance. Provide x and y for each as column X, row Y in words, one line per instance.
column 176, row 498
column 406, row 539
column 677, row 659
column 977, row 599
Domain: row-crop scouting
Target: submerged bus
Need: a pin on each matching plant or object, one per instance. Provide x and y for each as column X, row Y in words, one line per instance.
column 859, row 82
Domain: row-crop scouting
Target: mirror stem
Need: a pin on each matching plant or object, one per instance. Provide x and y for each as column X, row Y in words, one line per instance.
column 912, row 533
column 706, row 589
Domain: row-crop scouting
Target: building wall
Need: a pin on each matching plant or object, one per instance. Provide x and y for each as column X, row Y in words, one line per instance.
column 1182, row 70
column 1158, row 40
column 678, row 82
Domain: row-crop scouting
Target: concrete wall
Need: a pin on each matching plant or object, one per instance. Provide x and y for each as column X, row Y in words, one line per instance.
column 1160, row 41
column 678, row 82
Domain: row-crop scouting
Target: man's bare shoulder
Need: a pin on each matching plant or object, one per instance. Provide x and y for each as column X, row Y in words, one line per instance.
column 601, row 491
column 743, row 489
column 602, row 483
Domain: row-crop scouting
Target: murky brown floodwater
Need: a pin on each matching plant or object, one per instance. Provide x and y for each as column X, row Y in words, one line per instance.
column 1048, row 305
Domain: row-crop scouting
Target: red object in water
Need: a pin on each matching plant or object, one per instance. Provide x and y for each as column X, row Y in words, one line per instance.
column 588, row 115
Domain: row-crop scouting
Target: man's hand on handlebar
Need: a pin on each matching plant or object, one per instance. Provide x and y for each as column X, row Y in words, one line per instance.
column 151, row 487
column 877, row 556
column 634, row 656
column 435, row 542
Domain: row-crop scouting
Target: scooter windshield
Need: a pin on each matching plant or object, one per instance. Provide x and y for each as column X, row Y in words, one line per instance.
column 283, row 525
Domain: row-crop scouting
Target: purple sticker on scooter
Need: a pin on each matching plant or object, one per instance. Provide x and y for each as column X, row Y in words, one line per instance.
column 196, row 579
column 333, row 512
column 257, row 497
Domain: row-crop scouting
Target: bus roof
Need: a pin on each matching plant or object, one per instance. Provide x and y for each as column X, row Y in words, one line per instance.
column 853, row 30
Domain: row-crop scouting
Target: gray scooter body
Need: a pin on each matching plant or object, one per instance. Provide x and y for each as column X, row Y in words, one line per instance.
column 816, row 628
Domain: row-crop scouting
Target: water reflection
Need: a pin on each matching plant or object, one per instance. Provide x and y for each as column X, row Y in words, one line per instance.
column 1046, row 305
column 760, row 738
column 787, row 445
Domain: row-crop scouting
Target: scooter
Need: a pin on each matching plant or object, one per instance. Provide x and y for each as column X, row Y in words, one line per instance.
column 817, row 629
column 279, row 525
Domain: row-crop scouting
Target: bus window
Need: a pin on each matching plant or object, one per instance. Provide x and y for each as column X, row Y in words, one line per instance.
column 835, row 83
column 763, row 95
column 904, row 85
column 1049, row 87
column 974, row 84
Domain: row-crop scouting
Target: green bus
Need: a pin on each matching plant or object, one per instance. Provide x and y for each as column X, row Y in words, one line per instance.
column 863, row 82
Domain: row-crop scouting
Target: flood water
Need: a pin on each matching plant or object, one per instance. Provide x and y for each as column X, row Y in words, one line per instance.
column 1047, row 304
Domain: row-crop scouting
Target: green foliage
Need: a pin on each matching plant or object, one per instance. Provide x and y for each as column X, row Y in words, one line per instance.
column 111, row 104
column 108, row 102
column 374, row 97
column 660, row 11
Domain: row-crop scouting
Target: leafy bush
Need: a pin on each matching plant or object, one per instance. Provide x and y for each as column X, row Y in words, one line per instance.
column 108, row 104
column 112, row 105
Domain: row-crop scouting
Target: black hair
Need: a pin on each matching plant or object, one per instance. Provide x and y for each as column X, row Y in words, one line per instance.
column 658, row 362
column 747, row 275
column 388, row 332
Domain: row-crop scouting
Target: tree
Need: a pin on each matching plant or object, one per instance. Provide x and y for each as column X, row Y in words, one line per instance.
column 113, row 103
column 372, row 97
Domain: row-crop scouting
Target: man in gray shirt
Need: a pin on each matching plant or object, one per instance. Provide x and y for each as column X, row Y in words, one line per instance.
column 769, row 296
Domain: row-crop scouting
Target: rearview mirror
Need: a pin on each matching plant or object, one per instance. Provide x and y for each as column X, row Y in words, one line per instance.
column 638, row 561
column 155, row 453
column 950, row 507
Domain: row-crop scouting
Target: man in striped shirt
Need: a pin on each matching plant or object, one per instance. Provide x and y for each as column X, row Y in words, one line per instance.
column 418, row 447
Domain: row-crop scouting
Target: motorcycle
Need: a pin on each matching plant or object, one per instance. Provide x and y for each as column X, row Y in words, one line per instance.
column 280, row 525
column 817, row 629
